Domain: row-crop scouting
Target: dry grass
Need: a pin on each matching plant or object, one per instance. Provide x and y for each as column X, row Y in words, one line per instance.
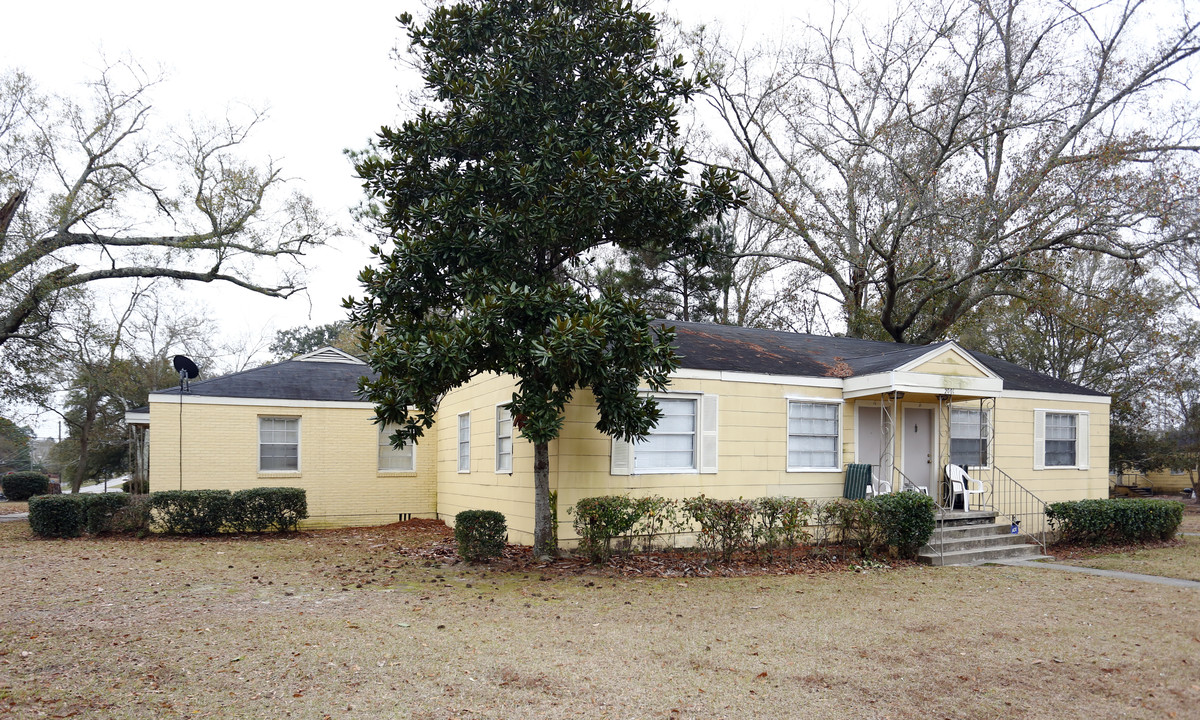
column 339, row 625
column 9, row 507
column 1181, row 561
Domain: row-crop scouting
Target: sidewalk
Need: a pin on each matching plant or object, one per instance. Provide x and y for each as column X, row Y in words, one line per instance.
column 1154, row 579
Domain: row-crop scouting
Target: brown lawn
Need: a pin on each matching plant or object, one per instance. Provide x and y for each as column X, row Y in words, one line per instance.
column 9, row 507
column 1181, row 560
column 342, row 625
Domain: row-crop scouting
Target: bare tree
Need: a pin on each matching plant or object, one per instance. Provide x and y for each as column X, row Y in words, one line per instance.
column 93, row 192
column 926, row 164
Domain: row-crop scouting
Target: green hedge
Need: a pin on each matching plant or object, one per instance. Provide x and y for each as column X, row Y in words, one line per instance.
column 182, row 512
column 21, row 486
column 57, row 515
column 71, row 515
column 208, row 512
column 1115, row 520
column 906, row 520
column 481, row 534
column 600, row 519
column 260, row 509
column 99, row 509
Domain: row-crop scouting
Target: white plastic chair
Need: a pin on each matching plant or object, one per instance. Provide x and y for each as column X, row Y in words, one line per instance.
column 885, row 487
column 963, row 484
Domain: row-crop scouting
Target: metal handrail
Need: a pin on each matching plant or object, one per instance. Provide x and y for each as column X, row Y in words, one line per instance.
column 1012, row 499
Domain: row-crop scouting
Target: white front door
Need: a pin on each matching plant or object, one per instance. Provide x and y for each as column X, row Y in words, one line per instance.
column 917, row 446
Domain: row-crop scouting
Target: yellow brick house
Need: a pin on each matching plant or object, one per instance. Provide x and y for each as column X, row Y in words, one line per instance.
column 750, row 413
column 297, row 423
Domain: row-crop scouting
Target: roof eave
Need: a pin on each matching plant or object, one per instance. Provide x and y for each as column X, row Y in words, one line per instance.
column 956, row 386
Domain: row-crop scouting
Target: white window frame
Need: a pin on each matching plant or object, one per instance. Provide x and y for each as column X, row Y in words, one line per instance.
column 299, row 436
column 464, row 442
column 385, row 449
column 787, row 433
column 693, row 398
column 988, row 444
column 1082, row 439
column 501, row 410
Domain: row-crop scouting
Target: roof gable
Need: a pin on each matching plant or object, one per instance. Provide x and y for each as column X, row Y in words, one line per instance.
column 948, row 359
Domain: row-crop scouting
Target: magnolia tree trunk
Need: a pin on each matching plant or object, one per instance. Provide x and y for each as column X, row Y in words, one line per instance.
column 543, row 520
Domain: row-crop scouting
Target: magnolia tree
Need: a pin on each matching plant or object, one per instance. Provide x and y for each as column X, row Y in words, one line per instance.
column 549, row 132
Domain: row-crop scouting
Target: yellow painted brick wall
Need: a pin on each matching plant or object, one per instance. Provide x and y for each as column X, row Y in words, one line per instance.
column 338, row 460
column 483, row 488
column 751, row 451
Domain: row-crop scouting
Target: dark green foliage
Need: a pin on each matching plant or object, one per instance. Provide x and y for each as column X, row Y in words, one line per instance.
column 656, row 516
column 136, row 487
column 21, row 486
column 858, row 524
column 1115, row 520
column 260, row 509
column 299, row 340
column 906, row 520
column 57, row 515
column 480, row 534
column 550, row 132
column 726, row 526
column 190, row 512
column 100, row 509
column 780, row 523
column 598, row 520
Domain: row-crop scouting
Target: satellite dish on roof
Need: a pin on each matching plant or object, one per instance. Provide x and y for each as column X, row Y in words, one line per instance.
column 187, row 371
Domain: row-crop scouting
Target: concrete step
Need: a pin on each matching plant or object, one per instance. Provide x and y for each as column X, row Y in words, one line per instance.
column 965, row 531
column 973, row 556
column 959, row 518
column 972, row 542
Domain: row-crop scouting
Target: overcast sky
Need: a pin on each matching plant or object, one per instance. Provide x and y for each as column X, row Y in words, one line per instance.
column 328, row 78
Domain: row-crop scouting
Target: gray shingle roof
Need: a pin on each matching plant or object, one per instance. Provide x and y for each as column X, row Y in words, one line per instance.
column 701, row 346
column 772, row 352
column 288, row 380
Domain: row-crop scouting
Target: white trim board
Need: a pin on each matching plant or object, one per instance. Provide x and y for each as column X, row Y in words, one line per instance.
column 258, row 402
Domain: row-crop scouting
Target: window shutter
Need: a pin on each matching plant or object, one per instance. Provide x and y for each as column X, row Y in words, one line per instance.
column 708, row 434
column 1081, row 441
column 622, row 457
column 1039, row 439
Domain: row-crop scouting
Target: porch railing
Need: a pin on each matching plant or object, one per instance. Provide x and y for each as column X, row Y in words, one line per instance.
column 1010, row 499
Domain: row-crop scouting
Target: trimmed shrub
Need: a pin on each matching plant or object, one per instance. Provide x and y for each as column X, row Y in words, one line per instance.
column 656, row 516
column 780, row 522
column 600, row 519
column 906, row 520
column 99, row 509
column 136, row 487
column 1115, row 520
column 57, row 515
column 21, row 486
column 725, row 525
column 260, row 509
column 481, row 534
column 858, row 524
column 190, row 512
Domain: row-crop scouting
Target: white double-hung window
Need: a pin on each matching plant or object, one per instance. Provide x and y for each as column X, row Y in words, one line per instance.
column 464, row 443
column 671, row 444
column 504, row 439
column 278, row 444
column 393, row 459
column 683, row 440
column 969, row 433
column 1060, row 439
column 814, row 435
